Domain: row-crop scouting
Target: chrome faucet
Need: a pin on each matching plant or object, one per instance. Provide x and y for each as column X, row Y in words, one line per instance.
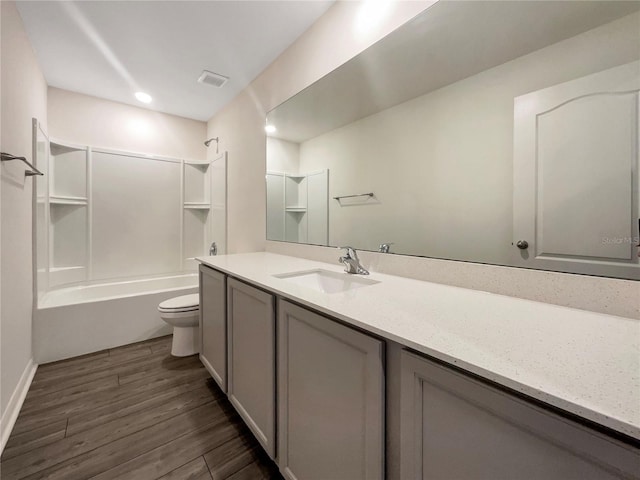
column 351, row 262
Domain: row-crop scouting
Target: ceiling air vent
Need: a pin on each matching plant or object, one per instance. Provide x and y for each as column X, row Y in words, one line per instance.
column 213, row 79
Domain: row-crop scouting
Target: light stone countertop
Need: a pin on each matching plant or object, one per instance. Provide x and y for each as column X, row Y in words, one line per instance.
column 583, row 362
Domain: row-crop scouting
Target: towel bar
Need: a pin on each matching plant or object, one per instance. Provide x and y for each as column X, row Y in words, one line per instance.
column 6, row 157
column 370, row 194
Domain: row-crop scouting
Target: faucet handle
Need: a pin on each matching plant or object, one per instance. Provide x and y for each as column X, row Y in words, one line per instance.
column 351, row 252
column 385, row 247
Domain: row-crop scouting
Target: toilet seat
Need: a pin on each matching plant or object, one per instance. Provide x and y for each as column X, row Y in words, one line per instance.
column 190, row 310
column 182, row 304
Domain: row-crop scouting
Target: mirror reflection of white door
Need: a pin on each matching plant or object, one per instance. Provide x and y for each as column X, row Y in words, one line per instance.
column 218, row 210
column 576, row 161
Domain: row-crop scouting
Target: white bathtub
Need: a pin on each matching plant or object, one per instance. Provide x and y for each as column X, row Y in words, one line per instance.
column 87, row 318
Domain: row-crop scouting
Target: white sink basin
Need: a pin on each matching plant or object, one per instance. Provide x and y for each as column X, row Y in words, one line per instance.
column 327, row 281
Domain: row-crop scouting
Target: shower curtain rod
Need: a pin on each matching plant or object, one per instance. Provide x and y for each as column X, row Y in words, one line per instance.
column 7, row 157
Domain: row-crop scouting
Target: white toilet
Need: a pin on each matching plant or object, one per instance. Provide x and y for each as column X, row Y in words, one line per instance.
column 183, row 314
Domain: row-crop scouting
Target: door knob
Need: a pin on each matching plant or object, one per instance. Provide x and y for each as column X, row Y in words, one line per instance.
column 522, row 244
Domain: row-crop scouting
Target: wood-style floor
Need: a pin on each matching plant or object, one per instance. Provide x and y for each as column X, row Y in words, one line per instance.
column 133, row 412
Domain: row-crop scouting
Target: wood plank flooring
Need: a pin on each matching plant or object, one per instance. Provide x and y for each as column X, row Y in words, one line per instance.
column 133, row 412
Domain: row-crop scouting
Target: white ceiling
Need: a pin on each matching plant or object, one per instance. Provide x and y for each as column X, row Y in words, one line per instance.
column 111, row 49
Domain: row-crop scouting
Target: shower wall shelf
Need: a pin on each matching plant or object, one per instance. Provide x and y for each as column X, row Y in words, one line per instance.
column 63, row 269
column 198, row 163
column 65, row 200
column 69, row 213
column 197, row 205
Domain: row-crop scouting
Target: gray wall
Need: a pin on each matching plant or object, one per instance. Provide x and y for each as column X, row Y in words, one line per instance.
column 24, row 95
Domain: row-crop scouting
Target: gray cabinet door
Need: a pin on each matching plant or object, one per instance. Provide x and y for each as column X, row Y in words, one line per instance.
column 251, row 344
column 330, row 399
column 455, row 427
column 213, row 324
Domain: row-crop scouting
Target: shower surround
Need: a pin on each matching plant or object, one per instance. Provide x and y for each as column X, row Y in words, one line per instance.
column 117, row 233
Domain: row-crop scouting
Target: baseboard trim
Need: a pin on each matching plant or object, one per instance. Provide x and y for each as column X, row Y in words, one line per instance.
column 10, row 415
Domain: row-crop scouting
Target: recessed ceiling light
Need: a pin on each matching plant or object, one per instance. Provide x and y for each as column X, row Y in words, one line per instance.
column 371, row 14
column 143, row 97
column 270, row 129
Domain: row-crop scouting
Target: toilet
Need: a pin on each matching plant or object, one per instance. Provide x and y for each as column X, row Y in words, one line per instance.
column 183, row 313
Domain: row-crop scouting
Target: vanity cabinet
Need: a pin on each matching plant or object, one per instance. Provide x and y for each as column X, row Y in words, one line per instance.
column 251, row 356
column 213, row 324
column 330, row 398
column 454, row 426
column 349, row 405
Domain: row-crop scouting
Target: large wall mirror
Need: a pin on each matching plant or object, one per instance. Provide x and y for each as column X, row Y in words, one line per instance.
column 495, row 132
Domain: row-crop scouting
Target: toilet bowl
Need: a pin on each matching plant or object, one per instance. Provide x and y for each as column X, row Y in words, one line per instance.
column 183, row 313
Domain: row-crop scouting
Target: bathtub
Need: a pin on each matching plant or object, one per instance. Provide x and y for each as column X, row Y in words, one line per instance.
column 83, row 319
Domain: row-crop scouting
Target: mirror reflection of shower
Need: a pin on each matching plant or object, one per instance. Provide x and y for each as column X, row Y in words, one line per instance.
column 214, row 139
column 297, row 199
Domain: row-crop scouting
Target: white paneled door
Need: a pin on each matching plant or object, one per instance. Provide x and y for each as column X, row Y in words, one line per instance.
column 576, row 175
